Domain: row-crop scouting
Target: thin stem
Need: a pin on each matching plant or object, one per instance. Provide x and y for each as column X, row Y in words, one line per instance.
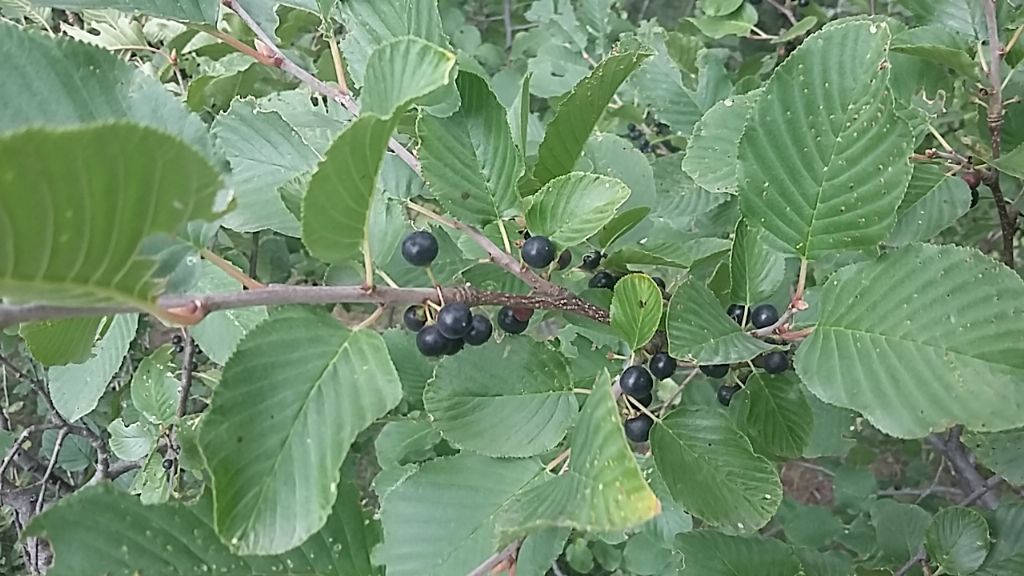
column 784, row 11
column 678, row 391
column 995, row 128
column 186, row 373
column 558, row 460
column 370, row 319
column 13, row 451
column 241, row 47
column 254, row 256
column 230, row 269
column 636, row 404
column 367, row 261
column 61, row 435
column 339, row 67
column 506, row 17
column 504, row 236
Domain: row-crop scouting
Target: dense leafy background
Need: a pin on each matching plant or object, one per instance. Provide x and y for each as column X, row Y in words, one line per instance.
column 717, row 152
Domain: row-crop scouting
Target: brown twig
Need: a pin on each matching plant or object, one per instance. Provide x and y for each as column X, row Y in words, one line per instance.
column 186, row 372
column 230, row 269
column 339, row 65
column 61, row 435
column 507, row 553
column 959, row 459
column 278, row 294
column 285, row 64
column 995, row 128
column 13, row 451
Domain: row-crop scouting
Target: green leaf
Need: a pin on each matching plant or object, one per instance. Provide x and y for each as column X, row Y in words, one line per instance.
column 512, row 398
column 336, row 208
column 756, row 271
column 56, row 342
column 152, row 483
column 133, row 442
column 88, row 85
column 154, row 389
column 957, row 540
column 709, row 553
column 402, row 70
column 832, row 430
column 403, row 440
column 469, row 159
column 824, row 161
column 249, row 136
column 220, row 332
column 698, row 329
column 199, row 11
column 938, row 44
column 101, row 531
column 1003, row 452
column 950, row 14
column 540, row 550
column 900, row 528
column 441, row 519
column 613, row 156
column 712, row 471
column 1007, row 555
column 602, row 490
column 578, row 113
column 737, row 23
column 719, row 7
column 636, row 309
column 1012, row 162
column 571, row 208
column 933, row 202
column 77, row 388
column 778, row 419
column 681, row 253
column 66, row 198
column 372, row 23
column 312, row 385
column 621, row 224
column 805, row 25
column 933, row 331
column 712, row 149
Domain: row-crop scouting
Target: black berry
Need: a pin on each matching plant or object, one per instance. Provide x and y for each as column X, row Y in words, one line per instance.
column 775, row 362
column 803, row 3
column 176, row 340
column 538, row 252
column 636, row 381
column 414, row 318
column 168, row 464
column 508, row 322
column 638, row 428
column 454, row 320
column 479, row 331
column 725, row 394
column 660, row 282
column 645, row 401
column 178, row 349
column 975, row 197
column 194, row 366
column 591, row 260
column 662, row 366
column 564, row 259
column 764, row 315
column 419, row 248
column 430, row 341
column 603, row 279
column 453, row 346
column 736, row 312
column 715, row 370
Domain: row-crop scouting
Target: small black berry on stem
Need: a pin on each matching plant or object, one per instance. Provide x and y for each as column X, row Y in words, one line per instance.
column 419, row 248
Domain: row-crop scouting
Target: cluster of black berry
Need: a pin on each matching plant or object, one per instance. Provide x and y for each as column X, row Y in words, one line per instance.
column 640, row 136
column 637, row 382
column 455, row 324
column 777, row 362
column 178, row 342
